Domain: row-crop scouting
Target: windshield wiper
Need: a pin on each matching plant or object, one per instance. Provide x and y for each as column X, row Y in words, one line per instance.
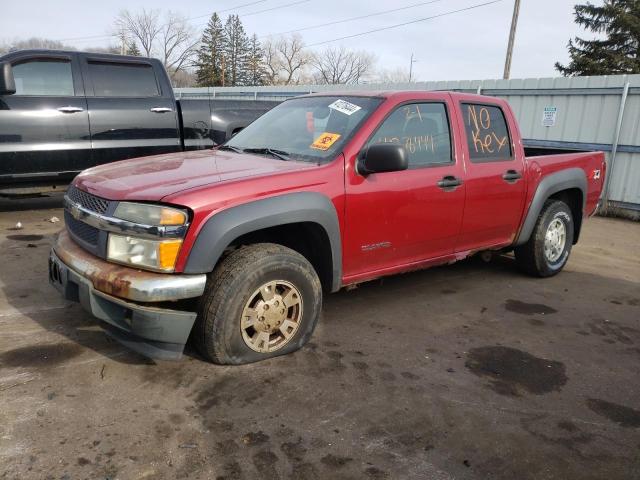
column 231, row 148
column 282, row 155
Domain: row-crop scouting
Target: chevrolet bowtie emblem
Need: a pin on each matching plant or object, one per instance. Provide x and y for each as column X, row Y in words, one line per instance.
column 74, row 211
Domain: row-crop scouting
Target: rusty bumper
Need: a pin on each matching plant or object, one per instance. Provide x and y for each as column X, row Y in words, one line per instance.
column 126, row 282
column 126, row 299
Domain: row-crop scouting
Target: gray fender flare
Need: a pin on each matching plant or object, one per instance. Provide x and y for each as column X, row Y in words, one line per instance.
column 554, row 183
column 224, row 227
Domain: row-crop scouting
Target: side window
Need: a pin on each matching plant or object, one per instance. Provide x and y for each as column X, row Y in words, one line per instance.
column 422, row 129
column 123, row 79
column 43, row 77
column 487, row 133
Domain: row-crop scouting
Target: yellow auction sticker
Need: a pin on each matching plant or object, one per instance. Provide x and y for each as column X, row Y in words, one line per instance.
column 325, row 140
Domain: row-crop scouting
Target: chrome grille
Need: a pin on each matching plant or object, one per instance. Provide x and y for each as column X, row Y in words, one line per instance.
column 81, row 230
column 88, row 201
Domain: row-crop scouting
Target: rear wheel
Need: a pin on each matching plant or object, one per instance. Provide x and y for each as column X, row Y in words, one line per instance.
column 547, row 250
column 263, row 300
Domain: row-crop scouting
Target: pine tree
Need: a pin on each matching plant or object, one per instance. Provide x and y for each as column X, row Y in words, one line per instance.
column 132, row 49
column 211, row 54
column 618, row 52
column 255, row 63
column 236, row 52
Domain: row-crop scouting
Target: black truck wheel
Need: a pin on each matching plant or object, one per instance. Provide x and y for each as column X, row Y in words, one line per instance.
column 261, row 301
column 547, row 250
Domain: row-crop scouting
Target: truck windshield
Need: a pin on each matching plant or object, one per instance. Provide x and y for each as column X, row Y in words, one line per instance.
column 312, row 129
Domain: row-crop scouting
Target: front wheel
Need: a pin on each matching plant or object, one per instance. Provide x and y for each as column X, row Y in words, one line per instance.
column 263, row 300
column 547, row 250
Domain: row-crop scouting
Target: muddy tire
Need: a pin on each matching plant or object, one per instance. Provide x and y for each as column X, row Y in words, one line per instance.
column 547, row 250
column 261, row 301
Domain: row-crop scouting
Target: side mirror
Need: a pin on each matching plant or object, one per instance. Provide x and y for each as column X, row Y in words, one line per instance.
column 384, row 157
column 7, row 83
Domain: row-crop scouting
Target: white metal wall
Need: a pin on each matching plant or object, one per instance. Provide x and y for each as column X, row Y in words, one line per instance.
column 588, row 109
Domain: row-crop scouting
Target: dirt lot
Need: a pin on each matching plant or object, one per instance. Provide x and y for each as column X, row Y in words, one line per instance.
column 469, row 371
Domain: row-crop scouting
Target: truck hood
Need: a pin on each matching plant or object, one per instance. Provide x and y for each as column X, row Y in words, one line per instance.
column 153, row 178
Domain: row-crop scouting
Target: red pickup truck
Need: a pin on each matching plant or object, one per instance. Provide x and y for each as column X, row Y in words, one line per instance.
column 235, row 246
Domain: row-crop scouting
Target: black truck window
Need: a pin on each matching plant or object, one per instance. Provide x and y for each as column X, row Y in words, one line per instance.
column 43, row 77
column 112, row 79
column 487, row 133
column 422, row 129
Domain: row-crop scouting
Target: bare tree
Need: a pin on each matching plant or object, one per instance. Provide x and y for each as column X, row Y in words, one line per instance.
column 285, row 60
column 272, row 62
column 341, row 66
column 171, row 38
column 293, row 56
column 393, row 75
column 34, row 42
column 46, row 44
column 110, row 49
column 179, row 42
column 144, row 26
column 184, row 79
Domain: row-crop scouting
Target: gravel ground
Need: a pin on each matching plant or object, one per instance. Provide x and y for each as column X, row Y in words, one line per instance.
column 472, row 371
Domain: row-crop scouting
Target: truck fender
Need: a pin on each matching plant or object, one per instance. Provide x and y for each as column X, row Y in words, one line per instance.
column 224, row 227
column 554, row 183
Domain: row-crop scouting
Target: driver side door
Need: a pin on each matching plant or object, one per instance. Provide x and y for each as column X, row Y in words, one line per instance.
column 397, row 219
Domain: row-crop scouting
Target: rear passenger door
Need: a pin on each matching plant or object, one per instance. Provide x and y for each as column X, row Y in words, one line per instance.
column 495, row 188
column 44, row 127
column 132, row 110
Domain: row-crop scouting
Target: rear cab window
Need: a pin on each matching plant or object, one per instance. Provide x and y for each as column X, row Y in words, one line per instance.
column 43, row 77
column 487, row 133
column 422, row 129
column 113, row 79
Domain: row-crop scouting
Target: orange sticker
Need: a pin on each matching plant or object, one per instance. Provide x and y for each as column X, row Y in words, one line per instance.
column 325, row 140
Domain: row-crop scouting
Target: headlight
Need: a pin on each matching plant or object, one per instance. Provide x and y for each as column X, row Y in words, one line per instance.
column 157, row 255
column 146, row 214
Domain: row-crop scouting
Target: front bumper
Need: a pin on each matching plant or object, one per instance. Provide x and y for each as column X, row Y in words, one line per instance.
column 111, row 293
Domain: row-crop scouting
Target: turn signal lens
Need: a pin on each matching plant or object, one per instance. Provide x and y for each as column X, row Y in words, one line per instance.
column 169, row 216
column 168, row 253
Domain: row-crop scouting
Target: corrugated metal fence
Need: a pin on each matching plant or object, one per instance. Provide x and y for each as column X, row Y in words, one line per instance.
column 576, row 113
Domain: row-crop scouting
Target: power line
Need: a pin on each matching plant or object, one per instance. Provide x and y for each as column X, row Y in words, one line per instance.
column 274, row 8
column 227, row 9
column 312, row 27
column 405, row 23
column 265, row 10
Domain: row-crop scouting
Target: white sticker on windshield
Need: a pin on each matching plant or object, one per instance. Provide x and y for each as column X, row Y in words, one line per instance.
column 345, row 107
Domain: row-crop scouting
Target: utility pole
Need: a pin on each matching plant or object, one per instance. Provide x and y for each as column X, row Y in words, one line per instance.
column 512, row 37
column 123, row 41
column 223, row 70
column 411, row 62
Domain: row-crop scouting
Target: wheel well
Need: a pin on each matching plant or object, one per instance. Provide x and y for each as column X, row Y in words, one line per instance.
column 573, row 198
column 309, row 239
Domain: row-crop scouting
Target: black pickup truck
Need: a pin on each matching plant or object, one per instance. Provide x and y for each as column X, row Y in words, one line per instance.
column 62, row 112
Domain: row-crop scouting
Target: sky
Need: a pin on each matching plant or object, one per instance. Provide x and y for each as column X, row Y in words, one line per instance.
column 466, row 45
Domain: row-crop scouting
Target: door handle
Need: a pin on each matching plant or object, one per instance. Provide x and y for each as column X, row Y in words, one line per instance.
column 161, row 110
column 511, row 176
column 449, row 182
column 70, row 109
